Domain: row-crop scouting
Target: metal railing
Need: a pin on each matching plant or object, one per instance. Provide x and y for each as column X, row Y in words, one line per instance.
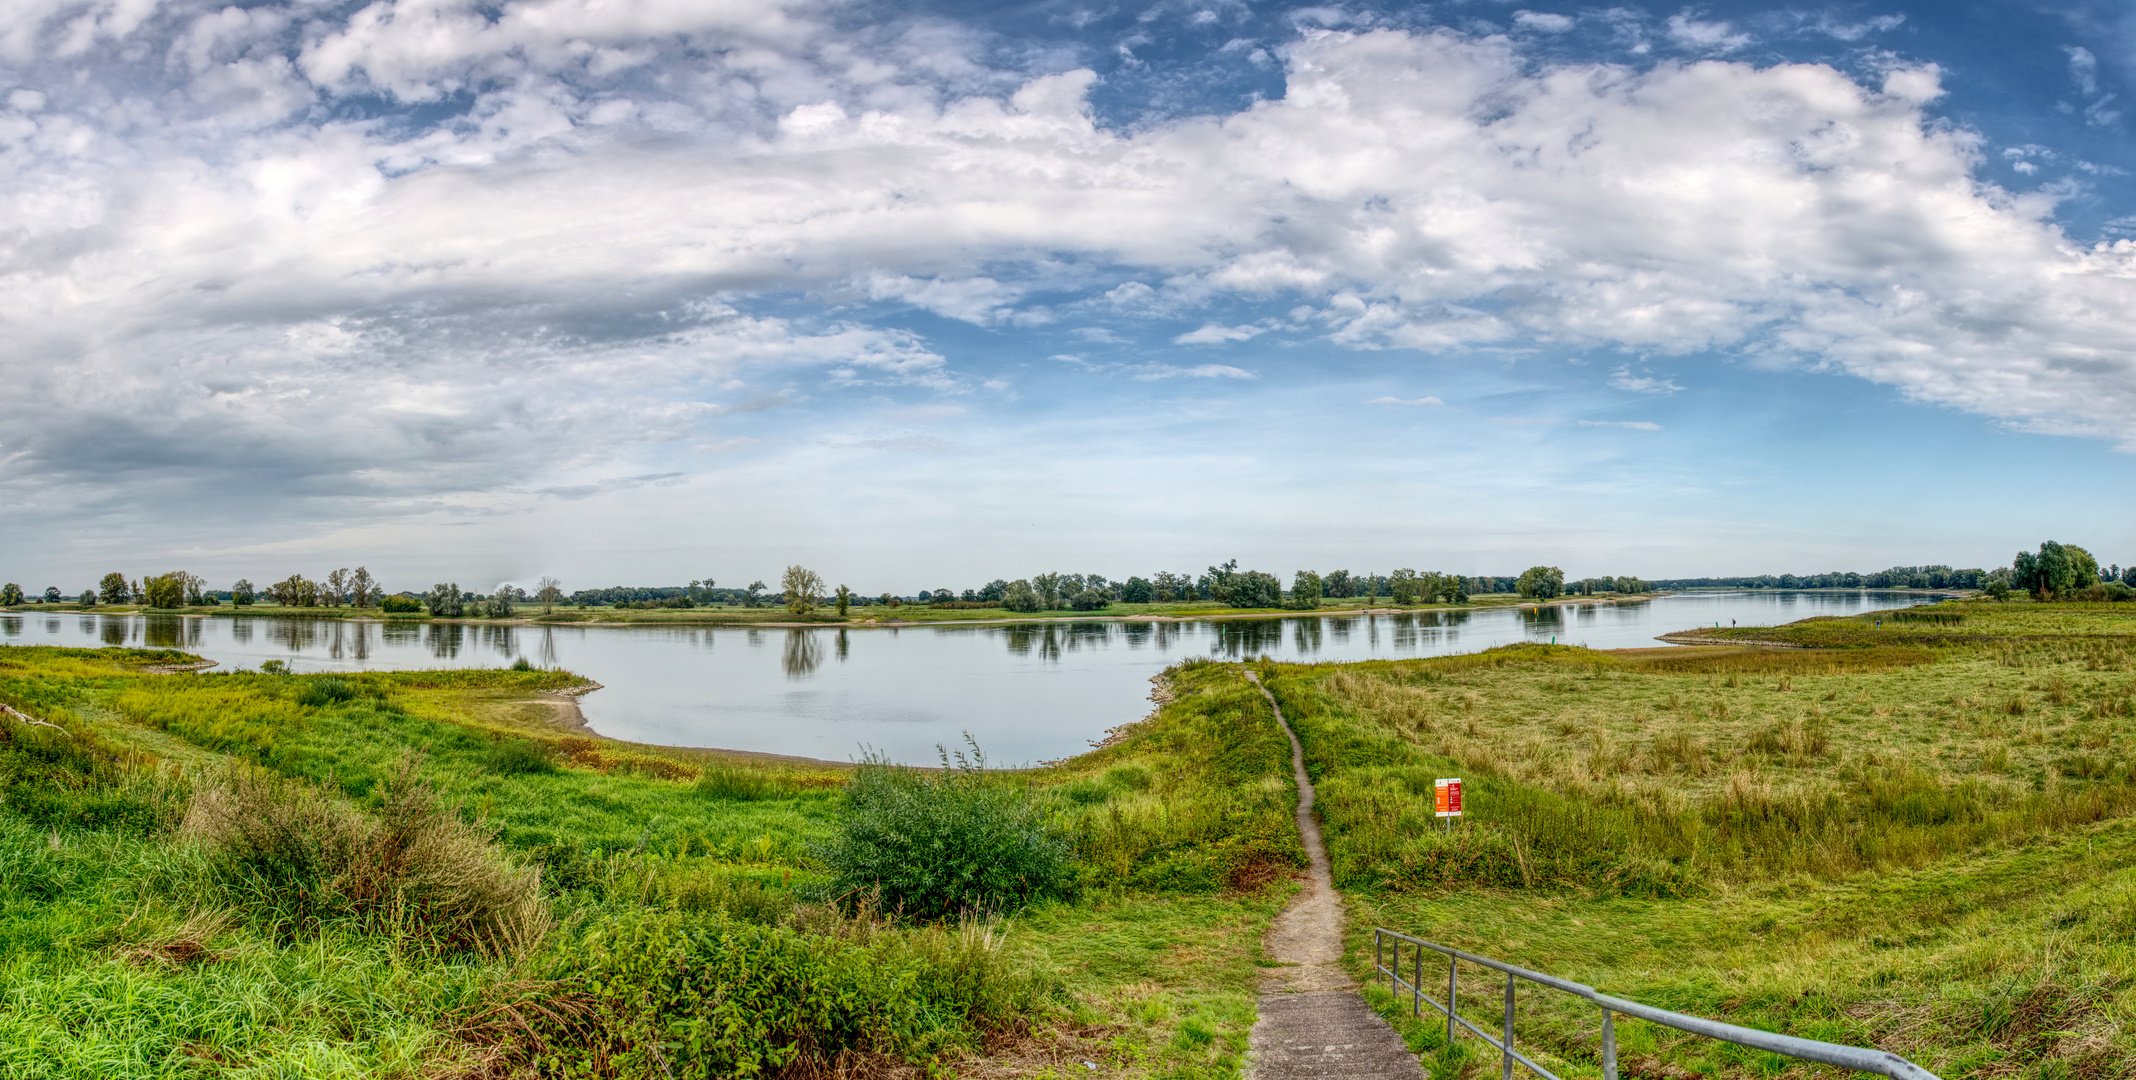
column 1383, row 940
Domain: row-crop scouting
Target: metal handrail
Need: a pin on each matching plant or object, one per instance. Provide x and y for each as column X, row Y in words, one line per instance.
column 1860, row 1059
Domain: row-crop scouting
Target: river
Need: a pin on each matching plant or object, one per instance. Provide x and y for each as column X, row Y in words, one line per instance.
column 1026, row 692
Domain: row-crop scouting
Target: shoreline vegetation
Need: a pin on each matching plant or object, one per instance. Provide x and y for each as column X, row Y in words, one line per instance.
column 1917, row 831
column 908, row 615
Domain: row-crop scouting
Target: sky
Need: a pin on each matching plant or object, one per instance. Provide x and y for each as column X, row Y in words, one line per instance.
column 923, row 295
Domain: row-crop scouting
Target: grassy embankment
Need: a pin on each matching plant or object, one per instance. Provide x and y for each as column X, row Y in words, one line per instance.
column 1920, row 840
column 294, row 875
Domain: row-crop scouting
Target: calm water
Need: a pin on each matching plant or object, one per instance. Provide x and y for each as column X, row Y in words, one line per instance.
column 1025, row 692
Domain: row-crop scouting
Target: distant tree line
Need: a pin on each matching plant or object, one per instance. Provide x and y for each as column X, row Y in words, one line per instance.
column 1898, row 577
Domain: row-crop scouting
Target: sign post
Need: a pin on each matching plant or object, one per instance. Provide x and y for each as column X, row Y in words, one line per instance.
column 1446, row 798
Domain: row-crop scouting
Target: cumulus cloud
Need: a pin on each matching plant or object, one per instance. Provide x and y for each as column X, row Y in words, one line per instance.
column 1543, row 21
column 571, row 226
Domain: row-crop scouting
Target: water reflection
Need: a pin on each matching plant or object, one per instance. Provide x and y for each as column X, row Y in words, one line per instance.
column 802, row 655
column 1015, row 687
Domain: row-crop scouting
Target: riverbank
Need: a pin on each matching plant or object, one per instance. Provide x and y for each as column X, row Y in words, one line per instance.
column 870, row 617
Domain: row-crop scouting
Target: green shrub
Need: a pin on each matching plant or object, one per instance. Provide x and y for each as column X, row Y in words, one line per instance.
column 325, row 690
column 686, row 996
column 522, row 664
column 519, row 757
column 296, row 856
column 934, row 844
column 399, row 605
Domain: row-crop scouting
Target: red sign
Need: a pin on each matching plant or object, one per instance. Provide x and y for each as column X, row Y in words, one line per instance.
column 1446, row 797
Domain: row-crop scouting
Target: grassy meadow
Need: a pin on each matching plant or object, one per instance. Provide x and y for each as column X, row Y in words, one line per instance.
column 1914, row 835
column 420, row 874
column 1918, row 840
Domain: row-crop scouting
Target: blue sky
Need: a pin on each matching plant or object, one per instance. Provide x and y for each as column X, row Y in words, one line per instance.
column 649, row 290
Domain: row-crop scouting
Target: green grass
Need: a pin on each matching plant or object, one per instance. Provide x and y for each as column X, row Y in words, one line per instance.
column 1914, row 842
column 132, row 947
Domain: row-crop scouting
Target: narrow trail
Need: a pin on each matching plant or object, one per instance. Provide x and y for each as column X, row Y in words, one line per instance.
column 1312, row 1023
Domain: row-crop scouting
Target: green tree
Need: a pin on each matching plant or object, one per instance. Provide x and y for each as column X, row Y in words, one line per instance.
column 1305, row 593
column 10, row 594
column 845, row 602
column 51, row 594
column 1541, row 582
column 1090, row 599
column 1048, row 587
column 751, row 596
column 1253, row 589
column 803, row 589
column 1138, row 591
column 550, row 594
column 1021, row 597
column 335, row 590
column 241, row 594
column 1404, row 586
column 88, row 599
column 166, row 590
column 445, row 600
column 363, row 589
column 113, row 589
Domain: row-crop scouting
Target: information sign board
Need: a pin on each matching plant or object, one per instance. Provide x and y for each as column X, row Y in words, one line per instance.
column 1446, row 796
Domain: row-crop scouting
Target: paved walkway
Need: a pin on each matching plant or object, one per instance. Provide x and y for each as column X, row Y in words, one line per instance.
column 1312, row 1023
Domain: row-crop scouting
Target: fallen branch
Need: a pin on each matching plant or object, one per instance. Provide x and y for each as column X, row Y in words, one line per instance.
column 28, row 719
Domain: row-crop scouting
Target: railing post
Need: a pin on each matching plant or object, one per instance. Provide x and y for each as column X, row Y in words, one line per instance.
column 1394, row 969
column 1453, row 972
column 1609, row 1046
column 1507, row 1074
column 1416, row 985
column 1377, row 960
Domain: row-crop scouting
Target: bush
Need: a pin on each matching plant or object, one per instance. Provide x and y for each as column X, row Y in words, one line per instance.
column 689, row 996
column 298, row 856
column 934, row 844
column 1020, row 597
column 519, row 757
column 325, row 690
column 1090, row 600
column 399, row 605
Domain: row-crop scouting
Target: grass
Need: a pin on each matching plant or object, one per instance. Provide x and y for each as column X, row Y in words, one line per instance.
column 1919, row 840
column 419, row 873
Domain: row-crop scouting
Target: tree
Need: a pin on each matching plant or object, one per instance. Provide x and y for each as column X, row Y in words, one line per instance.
column 51, row 594
column 10, row 594
column 1138, row 591
column 994, row 591
column 1021, row 597
column 499, row 604
column 445, row 600
column 241, row 594
column 166, row 590
column 334, row 591
column 1338, row 585
column 363, row 589
column 1541, row 582
column 196, row 590
column 1090, row 599
column 550, row 594
column 2057, row 569
column 1048, row 587
column 88, row 598
column 803, row 588
column 1217, row 581
column 113, row 590
column 751, row 599
column 845, row 602
column 1305, row 591
column 1254, row 589
column 1403, row 586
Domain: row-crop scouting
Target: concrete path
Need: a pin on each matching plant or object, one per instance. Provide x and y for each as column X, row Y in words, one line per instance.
column 1312, row 1023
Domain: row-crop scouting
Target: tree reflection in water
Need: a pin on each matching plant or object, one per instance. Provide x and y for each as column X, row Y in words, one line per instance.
column 163, row 631
column 113, row 631
column 841, row 644
column 802, row 655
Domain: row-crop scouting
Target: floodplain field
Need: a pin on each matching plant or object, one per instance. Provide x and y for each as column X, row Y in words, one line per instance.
column 1919, row 841
column 1918, row 844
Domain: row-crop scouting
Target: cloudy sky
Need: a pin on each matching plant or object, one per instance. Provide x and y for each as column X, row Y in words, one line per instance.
column 638, row 291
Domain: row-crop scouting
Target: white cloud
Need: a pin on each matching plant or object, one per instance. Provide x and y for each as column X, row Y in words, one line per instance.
column 1692, row 33
column 1543, row 21
column 1405, row 401
column 1623, row 379
column 1152, row 372
column 1635, row 425
column 1219, row 334
column 206, row 275
column 2083, row 69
